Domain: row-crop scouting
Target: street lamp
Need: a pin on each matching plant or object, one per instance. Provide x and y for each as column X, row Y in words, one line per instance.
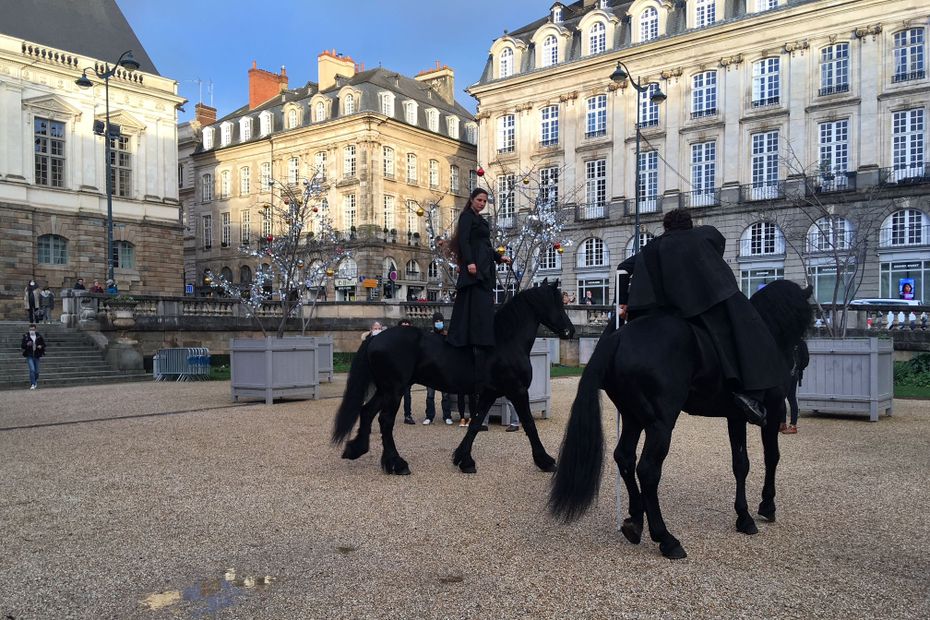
column 127, row 62
column 622, row 74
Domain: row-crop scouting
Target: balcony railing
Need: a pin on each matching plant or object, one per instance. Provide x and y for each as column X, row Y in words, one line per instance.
column 833, row 90
column 839, row 182
column 765, row 101
column 899, row 236
column 597, row 133
column 505, row 221
column 591, row 211
column 769, row 246
column 652, row 122
column 505, row 149
column 704, row 113
column 766, row 190
column 908, row 76
column 548, row 144
column 647, row 204
column 905, row 175
column 700, row 198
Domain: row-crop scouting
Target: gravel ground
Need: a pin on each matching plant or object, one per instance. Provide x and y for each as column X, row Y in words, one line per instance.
column 169, row 501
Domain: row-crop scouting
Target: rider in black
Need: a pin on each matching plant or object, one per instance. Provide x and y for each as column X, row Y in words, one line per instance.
column 683, row 271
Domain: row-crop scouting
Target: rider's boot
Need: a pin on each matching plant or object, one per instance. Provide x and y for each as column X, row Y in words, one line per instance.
column 751, row 405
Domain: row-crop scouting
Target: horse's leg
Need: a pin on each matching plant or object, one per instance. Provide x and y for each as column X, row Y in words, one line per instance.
column 649, row 471
column 462, row 454
column 625, row 457
column 391, row 462
column 736, row 427
column 359, row 445
column 775, row 409
column 521, row 402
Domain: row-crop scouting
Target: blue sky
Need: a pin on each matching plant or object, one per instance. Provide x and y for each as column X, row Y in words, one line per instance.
column 218, row 39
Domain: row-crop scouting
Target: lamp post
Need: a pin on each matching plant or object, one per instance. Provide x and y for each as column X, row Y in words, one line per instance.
column 127, row 62
column 622, row 74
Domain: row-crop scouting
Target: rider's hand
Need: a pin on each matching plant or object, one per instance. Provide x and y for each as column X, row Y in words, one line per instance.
column 472, row 268
column 623, row 311
column 506, row 260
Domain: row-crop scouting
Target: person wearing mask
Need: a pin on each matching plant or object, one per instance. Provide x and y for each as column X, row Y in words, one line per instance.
column 445, row 402
column 46, row 303
column 33, row 346
column 31, row 300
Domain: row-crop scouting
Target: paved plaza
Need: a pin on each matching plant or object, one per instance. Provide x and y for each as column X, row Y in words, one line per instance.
column 165, row 500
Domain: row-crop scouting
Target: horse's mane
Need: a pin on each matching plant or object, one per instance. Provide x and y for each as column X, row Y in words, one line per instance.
column 514, row 312
column 784, row 308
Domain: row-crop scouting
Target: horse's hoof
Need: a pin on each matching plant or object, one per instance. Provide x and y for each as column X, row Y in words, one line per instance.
column 633, row 532
column 456, row 457
column 402, row 471
column 468, row 469
column 674, row 551
column 547, row 465
column 746, row 525
column 767, row 513
column 353, row 451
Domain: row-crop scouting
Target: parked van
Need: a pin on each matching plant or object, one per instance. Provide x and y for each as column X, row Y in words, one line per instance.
column 886, row 302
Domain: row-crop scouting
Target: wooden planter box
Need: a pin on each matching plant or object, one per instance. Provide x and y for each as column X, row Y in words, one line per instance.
column 851, row 376
column 272, row 368
column 324, row 358
column 540, row 386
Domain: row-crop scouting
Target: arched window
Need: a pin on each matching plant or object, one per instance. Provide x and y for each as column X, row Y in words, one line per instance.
column 52, row 250
column 644, row 238
column 762, row 239
column 320, row 111
column 350, row 104
column 649, row 24
column 904, row 227
column 206, row 188
column 549, row 258
column 830, row 233
column 292, row 118
column 265, row 122
column 592, row 253
column 433, row 271
column 412, row 270
column 597, row 38
column 550, row 51
column 389, row 266
column 348, row 269
column 226, row 274
column 124, row 255
column 245, row 274
column 505, row 68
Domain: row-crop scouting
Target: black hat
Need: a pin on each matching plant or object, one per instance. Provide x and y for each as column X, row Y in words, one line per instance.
column 437, row 316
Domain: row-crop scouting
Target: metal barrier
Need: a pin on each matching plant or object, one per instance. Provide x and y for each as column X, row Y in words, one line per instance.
column 188, row 364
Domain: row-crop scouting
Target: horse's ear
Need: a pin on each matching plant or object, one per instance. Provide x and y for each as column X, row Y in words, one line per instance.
column 545, row 281
column 808, row 291
column 557, row 283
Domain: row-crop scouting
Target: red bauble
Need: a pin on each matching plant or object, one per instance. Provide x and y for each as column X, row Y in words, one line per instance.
column 287, row 201
column 556, row 245
column 315, row 209
column 269, row 238
column 480, row 171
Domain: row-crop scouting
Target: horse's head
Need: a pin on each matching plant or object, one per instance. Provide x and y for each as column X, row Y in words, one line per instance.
column 785, row 308
column 550, row 310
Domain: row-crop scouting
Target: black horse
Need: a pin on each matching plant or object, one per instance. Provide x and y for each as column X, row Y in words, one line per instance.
column 653, row 368
column 402, row 356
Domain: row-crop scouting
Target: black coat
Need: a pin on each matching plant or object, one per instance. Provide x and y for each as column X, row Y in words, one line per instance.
column 27, row 346
column 473, row 311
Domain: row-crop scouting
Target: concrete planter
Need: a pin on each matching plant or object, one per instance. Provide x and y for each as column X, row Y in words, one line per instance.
column 540, row 386
column 324, row 358
column 851, row 376
column 272, row 368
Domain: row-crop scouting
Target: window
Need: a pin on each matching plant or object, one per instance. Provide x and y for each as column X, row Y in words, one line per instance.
column 245, row 129
column 592, row 253
column 320, row 112
column 549, row 258
column 648, row 181
column 413, row 221
column 472, row 180
column 319, row 163
column 293, row 170
column 506, row 134
column 349, row 107
column 765, row 82
column 597, row 38
column 206, row 188
column 225, row 134
column 208, row 138
column 453, row 178
column 225, row 232
column 412, row 270
column 265, row 122
column 505, row 64
column 124, row 255
column 648, row 24
column 225, row 184
column 471, row 133
column 907, row 146
column 704, row 94
column 834, row 155
column 909, row 55
column 265, row 177
column 433, row 270
column 52, row 250
column 506, row 200
column 595, row 173
column 207, row 231
column 245, row 274
column 556, row 14
column 390, row 217
column 387, row 103
column 50, row 152
column 906, row 227
column 245, row 227
column 765, row 5
column 245, row 181
column 764, row 165
column 703, row 173
column 180, row 176
column 762, row 239
column 388, row 161
column 267, row 224
column 120, row 167
column 649, row 109
column 452, row 126
column 549, row 186
column 411, row 168
column 349, row 212
column 348, row 161
column 829, row 234
column 550, row 51
column 410, row 112
column 433, row 174
column 705, row 13
column 291, row 118
column 596, row 117
column 549, row 131
column 834, row 69
column 644, row 237
column 432, row 119
column 751, row 280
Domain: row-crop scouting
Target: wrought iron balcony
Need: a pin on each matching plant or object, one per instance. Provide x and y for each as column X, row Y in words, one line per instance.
column 838, row 182
column 700, row 198
column 765, row 101
column 706, row 112
column 906, row 76
column 597, row 133
column 766, row 190
column 907, row 174
column 647, row 204
column 833, row 90
column 591, row 211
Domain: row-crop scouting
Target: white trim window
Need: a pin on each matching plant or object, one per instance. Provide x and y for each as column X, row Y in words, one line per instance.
column 206, row 230
column 292, row 118
column 766, row 82
column 433, row 170
column 411, row 168
column 53, row 250
column 267, row 223
column 225, row 229
column 764, row 165
column 349, row 211
column 319, row 164
column 592, row 253
column 556, row 14
column 432, row 119
column 649, row 109
column 705, row 13
column 225, row 184
column 648, row 24
column 388, row 161
column 548, row 258
column 413, row 221
column 245, row 129
column 834, row 155
column 348, row 162
column 597, row 38
column 906, row 227
column 410, row 112
column 387, row 103
column 207, row 137
column 703, row 173
column 121, row 167
column 389, row 213
column 549, row 186
column 453, row 178
column 506, row 200
column 506, row 133
column 265, row 123
column 550, row 51
column 264, row 177
column 644, row 237
column 834, row 69
column 704, row 94
column 245, row 181
column 766, row 5
column 909, row 55
column 452, row 127
column 245, row 227
column 320, row 112
column 648, row 182
column 595, row 189
column 348, row 106
column 907, row 144
column 830, row 233
column 596, row 117
column 225, row 133
column 471, row 133
column 50, row 152
column 505, row 63
column 762, row 239
column 472, row 180
column 206, row 188
column 549, row 128
column 293, row 170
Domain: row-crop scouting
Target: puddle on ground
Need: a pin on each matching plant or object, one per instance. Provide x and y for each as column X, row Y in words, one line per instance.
column 346, row 549
column 451, row 579
column 209, row 596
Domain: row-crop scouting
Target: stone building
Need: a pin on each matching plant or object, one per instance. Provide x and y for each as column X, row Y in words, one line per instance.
column 387, row 147
column 771, row 106
column 53, row 206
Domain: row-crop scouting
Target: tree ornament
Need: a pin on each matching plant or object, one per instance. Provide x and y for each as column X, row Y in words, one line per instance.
column 557, row 245
column 480, row 171
column 269, row 238
column 330, row 272
column 420, row 211
column 266, row 205
column 560, row 250
column 501, row 249
column 526, row 180
column 300, row 263
column 316, row 209
column 287, row 201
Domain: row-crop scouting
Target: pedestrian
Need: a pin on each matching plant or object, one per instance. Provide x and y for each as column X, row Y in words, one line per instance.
column 445, row 402
column 112, row 289
column 588, row 298
column 514, row 425
column 565, row 299
column 46, row 303
column 802, row 358
column 79, row 285
column 31, row 300
column 33, row 346
column 96, row 288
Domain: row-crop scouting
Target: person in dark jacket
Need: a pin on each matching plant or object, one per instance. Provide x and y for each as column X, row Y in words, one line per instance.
column 33, row 346
column 79, row 285
column 31, row 300
column 46, row 303
column 802, row 358
column 683, row 271
column 473, row 311
column 445, row 401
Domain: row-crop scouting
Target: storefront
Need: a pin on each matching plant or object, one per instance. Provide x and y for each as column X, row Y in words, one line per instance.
column 751, row 280
column 599, row 287
column 904, row 279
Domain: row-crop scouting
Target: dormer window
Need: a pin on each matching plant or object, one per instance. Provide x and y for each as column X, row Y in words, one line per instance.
column 597, row 38
column 649, row 24
column 550, row 51
column 602, row 4
column 557, row 14
column 291, row 118
column 320, row 112
column 387, row 103
column 265, row 124
column 505, row 69
column 208, row 138
column 410, row 112
column 432, row 119
column 452, row 125
column 225, row 133
column 471, row 134
column 245, row 129
column 349, row 107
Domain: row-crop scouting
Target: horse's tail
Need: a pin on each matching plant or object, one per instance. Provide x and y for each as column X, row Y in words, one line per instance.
column 354, row 397
column 576, row 482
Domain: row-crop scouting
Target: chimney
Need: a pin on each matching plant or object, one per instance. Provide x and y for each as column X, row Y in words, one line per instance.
column 204, row 114
column 441, row 79
column 329, row 65
column 264, row 85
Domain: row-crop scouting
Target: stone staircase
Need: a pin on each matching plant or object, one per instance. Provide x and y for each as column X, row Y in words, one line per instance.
column 71, row 359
